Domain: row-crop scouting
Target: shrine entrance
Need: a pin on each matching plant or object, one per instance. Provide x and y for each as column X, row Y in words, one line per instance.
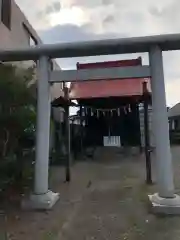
column 110, row 108
column 115, row 126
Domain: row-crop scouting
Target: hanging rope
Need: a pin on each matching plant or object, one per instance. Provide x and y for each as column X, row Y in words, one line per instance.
column 104, row 109
column 97, row 111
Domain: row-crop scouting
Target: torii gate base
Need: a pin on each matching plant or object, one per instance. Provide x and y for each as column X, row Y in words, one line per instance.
column 43, row 201
column 169, row 206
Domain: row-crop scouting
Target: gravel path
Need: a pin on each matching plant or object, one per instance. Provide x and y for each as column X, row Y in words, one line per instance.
column 107, row 200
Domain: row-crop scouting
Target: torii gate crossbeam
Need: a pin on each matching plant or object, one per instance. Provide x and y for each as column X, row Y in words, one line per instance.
column 163, row 201
column 166, row 42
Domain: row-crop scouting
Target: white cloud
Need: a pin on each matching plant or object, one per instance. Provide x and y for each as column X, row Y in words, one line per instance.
column 110, row 18
column 69, row 16
column 36, row 10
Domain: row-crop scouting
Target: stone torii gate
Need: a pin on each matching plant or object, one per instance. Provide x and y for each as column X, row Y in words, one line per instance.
column 163, row 201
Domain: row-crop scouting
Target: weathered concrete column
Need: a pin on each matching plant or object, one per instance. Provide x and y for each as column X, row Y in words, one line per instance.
column 165, row 200
column 42, row 197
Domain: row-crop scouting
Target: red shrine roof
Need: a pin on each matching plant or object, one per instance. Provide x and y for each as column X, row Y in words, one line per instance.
column 108, row 87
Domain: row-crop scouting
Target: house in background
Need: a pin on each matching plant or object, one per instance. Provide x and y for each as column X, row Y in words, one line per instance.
column 174, row 117
column 174, row 123
column 17, row 32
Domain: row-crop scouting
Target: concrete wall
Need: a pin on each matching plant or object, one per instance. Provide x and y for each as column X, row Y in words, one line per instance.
column 18, row 37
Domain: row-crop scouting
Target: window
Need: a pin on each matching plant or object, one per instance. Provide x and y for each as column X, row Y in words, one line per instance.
column 31, row 39
column 6, row 13
column 32, row 42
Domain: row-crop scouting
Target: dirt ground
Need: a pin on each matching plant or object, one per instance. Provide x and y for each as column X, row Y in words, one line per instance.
column 106, row 200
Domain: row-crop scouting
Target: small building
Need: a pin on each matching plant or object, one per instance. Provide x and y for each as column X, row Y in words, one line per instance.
column 174, row 117
column 174, row 123
column 111, row 107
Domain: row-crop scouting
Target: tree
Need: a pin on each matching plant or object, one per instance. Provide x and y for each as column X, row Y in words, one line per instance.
column 17, row 116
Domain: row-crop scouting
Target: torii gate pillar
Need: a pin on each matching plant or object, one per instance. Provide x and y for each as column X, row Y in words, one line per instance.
column 43, row 198
column 165, row 201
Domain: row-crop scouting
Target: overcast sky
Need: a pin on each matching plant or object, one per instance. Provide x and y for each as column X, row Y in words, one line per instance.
column 79, row 20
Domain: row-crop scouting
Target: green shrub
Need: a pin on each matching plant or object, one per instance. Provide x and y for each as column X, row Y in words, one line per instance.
column 17, row 124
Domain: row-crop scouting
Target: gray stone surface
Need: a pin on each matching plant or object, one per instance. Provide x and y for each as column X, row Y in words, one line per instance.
column 40, row 202
column 169, row 206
